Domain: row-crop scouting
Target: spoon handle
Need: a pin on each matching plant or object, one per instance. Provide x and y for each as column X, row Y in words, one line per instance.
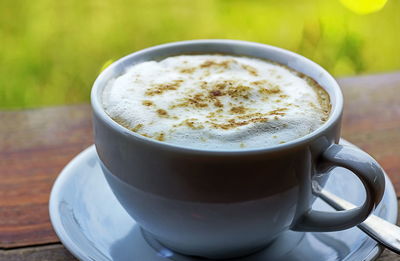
column 377, row 228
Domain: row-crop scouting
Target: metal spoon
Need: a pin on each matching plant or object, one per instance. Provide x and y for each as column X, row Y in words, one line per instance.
column 382, row 231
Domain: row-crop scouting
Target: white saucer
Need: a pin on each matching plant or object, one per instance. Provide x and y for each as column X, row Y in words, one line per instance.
column 92, row 224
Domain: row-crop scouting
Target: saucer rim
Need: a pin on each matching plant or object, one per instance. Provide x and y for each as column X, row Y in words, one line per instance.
column 54, row 201
column 80, row 254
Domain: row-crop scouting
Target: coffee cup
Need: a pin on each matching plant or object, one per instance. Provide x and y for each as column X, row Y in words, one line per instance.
column 228, row 203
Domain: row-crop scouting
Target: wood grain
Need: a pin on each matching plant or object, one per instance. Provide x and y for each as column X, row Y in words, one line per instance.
column 371, row 118
column 36, row 144
column 388, row 256
column 44, row 253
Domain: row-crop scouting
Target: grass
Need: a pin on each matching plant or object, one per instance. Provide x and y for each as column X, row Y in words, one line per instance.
column 52, row 51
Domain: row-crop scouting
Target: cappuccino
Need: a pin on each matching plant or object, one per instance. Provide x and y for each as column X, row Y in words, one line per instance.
column 216, row 102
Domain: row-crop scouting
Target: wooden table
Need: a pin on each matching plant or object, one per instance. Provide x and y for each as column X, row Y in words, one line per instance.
column 36, row 144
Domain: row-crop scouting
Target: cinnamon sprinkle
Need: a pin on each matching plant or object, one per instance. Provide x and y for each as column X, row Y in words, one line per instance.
column 162, row 113
column 161, row 88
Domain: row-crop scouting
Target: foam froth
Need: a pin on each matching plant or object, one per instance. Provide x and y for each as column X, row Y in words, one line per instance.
column 216, row 102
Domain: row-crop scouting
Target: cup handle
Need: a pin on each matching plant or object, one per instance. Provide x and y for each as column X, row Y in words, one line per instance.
column 372, row 177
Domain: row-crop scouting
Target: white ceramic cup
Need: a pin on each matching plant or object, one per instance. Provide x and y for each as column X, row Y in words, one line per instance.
column 228, row 203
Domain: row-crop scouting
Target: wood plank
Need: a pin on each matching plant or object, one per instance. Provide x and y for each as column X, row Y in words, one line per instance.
column 371, row 118
column 44, row 253
column 388, row 256
column 34, row 146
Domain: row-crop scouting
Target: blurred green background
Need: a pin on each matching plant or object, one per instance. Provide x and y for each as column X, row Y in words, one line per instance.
column 52, row 51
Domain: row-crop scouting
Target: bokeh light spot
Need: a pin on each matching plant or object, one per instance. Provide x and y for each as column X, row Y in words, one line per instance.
column 106, row 64
column 364, row 6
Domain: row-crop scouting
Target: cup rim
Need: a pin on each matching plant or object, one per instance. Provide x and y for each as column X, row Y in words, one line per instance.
column 335, row 114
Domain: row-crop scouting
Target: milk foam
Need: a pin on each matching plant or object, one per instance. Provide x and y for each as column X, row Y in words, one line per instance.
column 216, row 102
